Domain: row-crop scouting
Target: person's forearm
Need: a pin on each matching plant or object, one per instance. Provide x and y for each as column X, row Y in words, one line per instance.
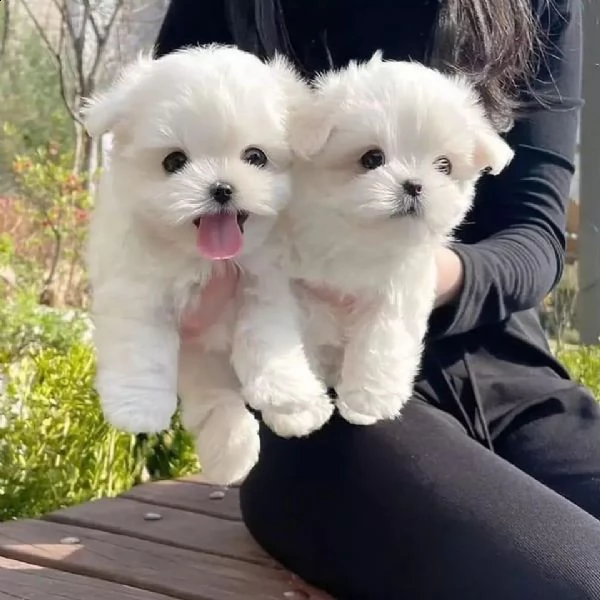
column 494, row 278
column 450, row 277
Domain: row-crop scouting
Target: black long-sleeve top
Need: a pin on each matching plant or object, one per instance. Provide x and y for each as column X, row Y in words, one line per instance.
column 512, row 245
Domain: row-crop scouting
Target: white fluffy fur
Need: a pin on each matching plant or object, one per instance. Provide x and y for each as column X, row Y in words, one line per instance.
column 344, row 230
column 145, row 269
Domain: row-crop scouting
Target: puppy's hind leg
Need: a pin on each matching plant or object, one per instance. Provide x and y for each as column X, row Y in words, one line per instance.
column 214, row 412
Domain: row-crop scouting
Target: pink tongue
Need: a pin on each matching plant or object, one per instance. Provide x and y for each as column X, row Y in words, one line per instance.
column 219, row 236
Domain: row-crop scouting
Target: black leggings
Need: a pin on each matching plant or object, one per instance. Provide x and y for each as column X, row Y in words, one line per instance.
column 417, row 510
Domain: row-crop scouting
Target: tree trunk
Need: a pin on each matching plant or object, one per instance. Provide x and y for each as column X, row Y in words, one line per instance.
column 81, row 149
column 5, row 29
column 85, row 161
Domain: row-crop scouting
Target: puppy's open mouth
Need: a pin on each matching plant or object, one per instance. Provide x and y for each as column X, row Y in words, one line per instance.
column 220, row 236
column 241, row 218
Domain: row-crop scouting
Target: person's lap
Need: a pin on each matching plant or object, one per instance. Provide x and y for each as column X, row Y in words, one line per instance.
column 557, row 441
column 417, row 509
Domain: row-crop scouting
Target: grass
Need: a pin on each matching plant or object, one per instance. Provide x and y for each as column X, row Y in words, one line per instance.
column 583, row 363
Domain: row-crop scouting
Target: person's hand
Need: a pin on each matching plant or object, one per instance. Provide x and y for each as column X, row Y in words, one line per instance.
column 450, row 276
column 204, row 313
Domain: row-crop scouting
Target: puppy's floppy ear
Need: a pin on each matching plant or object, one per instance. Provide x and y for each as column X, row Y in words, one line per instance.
column 311, row 125
column 105, row 112
column 305, row 135
column 313, row 120
column 492, row 154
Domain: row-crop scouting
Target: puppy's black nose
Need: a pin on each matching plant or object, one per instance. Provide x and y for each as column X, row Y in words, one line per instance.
column 412, row 187
column 221, row 192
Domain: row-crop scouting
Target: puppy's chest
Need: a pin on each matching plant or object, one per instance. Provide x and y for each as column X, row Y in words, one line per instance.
column 324, row 323
column 325, row 332
column 352, row 266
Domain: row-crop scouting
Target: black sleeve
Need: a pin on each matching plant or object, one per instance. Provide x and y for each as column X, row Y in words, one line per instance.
column 193, row 22
column 519, row 256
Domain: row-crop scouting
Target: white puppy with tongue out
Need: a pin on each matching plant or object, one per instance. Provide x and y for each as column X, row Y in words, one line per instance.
column 198, row 173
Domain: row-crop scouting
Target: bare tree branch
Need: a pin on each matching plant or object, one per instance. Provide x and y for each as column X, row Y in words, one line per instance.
column 66, row 17
column 67, row 60
column 87, row 14
column 90, row 12
column 103, row 37
column 56, row 54
column 41, row 31
column 79, row 56
column 118, row 6
column 62, row 80
column 77, row 40
column 5, row 29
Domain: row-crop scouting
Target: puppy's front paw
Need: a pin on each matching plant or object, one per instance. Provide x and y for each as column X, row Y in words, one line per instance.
column 228, row 445
column 138, row 410
column 284, row 392
column 361, row 407
column 301, row 423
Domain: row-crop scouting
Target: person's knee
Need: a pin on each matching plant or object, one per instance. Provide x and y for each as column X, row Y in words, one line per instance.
column 556, row 440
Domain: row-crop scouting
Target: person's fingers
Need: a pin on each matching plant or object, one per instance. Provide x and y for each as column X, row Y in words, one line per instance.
column 207, row 308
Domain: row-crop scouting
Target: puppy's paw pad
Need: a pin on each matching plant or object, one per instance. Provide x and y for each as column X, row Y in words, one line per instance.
column 298, row 424
column 284, row 394
column 227, row 450
column 354, row 417
column 362, row 408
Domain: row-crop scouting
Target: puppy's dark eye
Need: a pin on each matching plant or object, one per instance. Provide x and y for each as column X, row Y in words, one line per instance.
column 373, row 159
column 443, row 165
column 175, row 161
column 255, row 157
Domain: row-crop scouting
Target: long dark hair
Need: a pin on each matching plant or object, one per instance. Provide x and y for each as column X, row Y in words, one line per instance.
column 494, row 42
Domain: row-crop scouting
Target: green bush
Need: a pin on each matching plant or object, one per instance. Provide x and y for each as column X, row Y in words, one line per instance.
column 583, row 362
column 27, row 329
column 49, row 219
column 55, row 446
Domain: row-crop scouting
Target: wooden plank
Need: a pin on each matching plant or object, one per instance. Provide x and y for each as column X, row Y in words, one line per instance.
column 191, row 496
column 199, row 478
column 21, row 581
column 146, row 565
column 178, row 528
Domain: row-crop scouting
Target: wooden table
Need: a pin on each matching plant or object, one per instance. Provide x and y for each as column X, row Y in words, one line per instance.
column 160, row 541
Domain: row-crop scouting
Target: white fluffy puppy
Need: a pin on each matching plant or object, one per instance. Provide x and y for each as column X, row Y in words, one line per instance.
column 390, row 155
column 198, row 172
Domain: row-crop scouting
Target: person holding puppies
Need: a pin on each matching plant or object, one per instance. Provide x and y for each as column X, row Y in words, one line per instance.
column 488, row 486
